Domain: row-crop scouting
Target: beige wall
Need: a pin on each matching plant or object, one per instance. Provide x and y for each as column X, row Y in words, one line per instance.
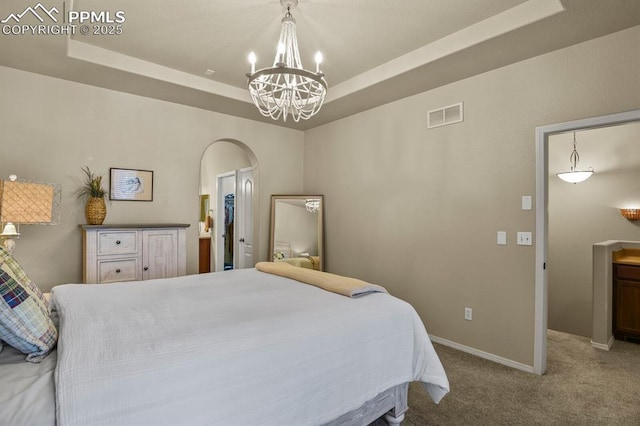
column 586, row 213
column 417, row 210
column 51, row 128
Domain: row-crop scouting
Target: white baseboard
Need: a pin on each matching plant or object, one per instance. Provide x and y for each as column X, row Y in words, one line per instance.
column 482, row 354
column 603, row 346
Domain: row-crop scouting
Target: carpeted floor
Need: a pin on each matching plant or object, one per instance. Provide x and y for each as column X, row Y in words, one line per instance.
column 582, row 386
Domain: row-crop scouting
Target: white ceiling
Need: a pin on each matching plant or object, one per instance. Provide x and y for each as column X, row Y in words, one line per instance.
column 375, row 51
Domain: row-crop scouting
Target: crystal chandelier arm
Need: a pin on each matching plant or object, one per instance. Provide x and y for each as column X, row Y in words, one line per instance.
column 285, row 70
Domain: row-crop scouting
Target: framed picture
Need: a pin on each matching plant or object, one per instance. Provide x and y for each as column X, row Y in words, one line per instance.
column 204, row 207
column 130, row 185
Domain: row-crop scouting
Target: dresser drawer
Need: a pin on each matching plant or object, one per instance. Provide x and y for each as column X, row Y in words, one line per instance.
column 119, row 242
column 110, row 271
column 628, row 272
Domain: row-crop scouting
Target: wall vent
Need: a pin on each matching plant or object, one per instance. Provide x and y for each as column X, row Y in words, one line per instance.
column 445, row 115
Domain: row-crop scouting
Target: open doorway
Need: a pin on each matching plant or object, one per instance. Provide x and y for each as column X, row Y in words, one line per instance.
column 542, row 220
column 228, row 180
column 225, row 216
column 587, row 213
column 233, row 237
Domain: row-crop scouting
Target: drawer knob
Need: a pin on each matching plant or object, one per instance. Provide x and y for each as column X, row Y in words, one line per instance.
column 118, row 271
column 146, row 268
column 117, row 242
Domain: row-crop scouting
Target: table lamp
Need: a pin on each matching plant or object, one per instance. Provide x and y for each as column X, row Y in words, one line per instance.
column 28, row 203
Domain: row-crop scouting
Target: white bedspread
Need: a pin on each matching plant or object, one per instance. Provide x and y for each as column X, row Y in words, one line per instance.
column 235, row 348
column 26, row 389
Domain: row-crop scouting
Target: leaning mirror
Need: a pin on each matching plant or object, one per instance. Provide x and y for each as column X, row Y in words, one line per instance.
column 296, row 230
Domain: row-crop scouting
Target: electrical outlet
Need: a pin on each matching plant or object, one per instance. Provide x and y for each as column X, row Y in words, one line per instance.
column 468, row 314
column 524, row 238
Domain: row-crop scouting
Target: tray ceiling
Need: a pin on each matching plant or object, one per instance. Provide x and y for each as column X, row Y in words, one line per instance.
column 375, row 51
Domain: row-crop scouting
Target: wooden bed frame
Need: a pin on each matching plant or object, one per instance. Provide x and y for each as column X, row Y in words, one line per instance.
column 391, row 403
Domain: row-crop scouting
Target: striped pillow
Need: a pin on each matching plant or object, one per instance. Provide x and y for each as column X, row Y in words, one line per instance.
column 25, row 323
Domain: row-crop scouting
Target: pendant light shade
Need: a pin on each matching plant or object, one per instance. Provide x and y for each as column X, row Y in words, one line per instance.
column 575, row 176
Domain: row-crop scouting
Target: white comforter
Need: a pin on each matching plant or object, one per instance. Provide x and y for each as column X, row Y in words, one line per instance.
column 236, row 348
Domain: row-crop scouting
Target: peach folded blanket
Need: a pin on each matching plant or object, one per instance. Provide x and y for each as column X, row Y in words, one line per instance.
column 350, row 287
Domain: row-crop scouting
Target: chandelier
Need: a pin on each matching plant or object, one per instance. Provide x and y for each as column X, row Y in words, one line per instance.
column 575, row 175
column 287, row 88
column 312, row 205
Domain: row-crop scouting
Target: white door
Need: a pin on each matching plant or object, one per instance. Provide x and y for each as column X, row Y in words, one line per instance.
column 244, row 218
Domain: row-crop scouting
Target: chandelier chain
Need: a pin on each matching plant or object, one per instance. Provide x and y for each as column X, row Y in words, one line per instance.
column 574, row 158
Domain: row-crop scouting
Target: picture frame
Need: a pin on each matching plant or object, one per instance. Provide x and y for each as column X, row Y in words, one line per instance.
column 204, row 206
column 130, row 184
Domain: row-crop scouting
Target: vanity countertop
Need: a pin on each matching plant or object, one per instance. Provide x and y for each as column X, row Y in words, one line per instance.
column 627, row 256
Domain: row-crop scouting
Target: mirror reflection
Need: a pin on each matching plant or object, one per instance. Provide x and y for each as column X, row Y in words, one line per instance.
column 296, row 230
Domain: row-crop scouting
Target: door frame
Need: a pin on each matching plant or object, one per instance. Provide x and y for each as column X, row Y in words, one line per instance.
column 542, row 220
column 219, row 228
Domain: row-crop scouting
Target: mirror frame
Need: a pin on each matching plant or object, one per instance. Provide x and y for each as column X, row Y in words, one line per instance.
column 276, row 197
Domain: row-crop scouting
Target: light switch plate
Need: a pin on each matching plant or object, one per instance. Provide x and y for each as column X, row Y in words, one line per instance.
column 502, row 238
column 526, row 202
column 524, row 238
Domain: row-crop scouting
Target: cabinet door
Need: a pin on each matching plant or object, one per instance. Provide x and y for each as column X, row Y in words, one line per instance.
column 204, row 252
column 159, row 253
column 627, row 307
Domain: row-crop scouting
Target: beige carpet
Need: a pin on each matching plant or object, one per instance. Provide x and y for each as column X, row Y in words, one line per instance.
column 582, row 386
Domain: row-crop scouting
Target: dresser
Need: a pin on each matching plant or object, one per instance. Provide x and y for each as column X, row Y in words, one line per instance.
column 133, row 252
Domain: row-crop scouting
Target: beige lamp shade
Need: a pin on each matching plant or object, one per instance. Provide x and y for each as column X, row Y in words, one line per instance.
column 27, row 202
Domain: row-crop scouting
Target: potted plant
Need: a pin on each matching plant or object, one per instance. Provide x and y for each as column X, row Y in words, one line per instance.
column 94, row 194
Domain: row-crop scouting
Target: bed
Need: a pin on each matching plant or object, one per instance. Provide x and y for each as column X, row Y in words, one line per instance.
column 309, row 262
column 235, row 347
column 282, row 253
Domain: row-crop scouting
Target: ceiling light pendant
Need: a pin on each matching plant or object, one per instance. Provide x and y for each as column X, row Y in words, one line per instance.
column 575, row 175
column 287, row 88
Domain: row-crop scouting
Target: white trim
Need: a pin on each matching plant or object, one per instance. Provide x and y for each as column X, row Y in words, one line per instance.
column 540, row 289
column 503, row 23
column 542, row 136
column 525, row 13
column 603, row 346
column 482, row 354
column 109, row 58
